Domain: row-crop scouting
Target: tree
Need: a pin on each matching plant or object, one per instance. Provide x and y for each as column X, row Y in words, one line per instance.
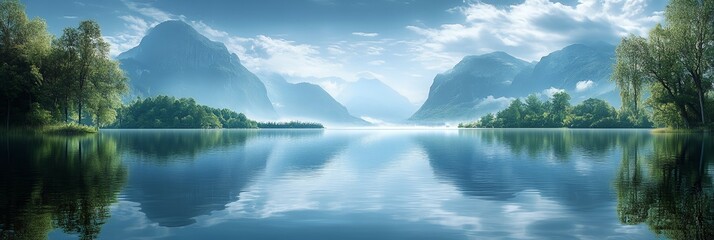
column 23, row 42
column 93, row 50
column 559, row 107
column 534, row 112
column 107, row 85
column 628, row 74
column 692, row 25
column 488, row 121
column 592, row 113
column 511, row 117
column 675, row 64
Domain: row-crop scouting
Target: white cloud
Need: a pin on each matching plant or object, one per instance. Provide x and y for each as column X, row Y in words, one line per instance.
column 552, row 91
column 365, row 34
column 584, row 85
column 69, row 17
column 259, row 53
column 531, row 29
column 498, row 103
column 377, row 62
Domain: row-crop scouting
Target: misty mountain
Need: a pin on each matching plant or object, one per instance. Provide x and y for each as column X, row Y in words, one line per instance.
column 174, row 59
column 487, row 83
column 463, row 92
column 306, row 102
column 581, row 70
column 373, row 100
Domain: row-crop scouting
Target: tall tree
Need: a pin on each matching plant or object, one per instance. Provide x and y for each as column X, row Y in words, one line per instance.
column 22, row 44
column 107, row 84
column 628, row 74
column 559, row 108
column 92, row 51
column 692, row 24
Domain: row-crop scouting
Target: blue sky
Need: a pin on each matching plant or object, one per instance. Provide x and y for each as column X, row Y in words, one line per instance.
column 404, row 43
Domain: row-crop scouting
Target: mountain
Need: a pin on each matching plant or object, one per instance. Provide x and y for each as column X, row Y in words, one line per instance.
column 583, row 70
column 174, row 59
column 463, row 92
column 375, row 101
column 487, row 83
column 306, row 102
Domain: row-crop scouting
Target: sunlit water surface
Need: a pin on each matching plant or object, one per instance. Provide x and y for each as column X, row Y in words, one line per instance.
column 358, row 184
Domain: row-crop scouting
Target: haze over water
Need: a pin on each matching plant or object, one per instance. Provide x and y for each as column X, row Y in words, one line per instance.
column 358, row 184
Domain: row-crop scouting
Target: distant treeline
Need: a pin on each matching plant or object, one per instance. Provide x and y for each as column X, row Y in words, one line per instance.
column 170, row 112
column 291, row 124
column 556, row 113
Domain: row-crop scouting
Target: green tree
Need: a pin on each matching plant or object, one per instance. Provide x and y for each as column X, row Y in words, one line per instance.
column 93, row 50
column 534, row 112
column 592, row 113
column 511, row 117
column 488, row 121
column 23, row 42
column 674, row 64
column 107, row 85
column 559, row 108
column 628, row 76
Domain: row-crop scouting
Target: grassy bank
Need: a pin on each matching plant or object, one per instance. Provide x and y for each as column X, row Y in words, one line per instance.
column 681, row 130
column 68, row 129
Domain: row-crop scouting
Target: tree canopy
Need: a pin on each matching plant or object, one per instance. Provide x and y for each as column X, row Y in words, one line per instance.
column 670, row 70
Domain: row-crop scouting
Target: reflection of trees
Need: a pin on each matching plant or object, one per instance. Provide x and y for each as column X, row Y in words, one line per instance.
column 670, row 190
column 64, row 182
column 164, row 145
column 561, row 143
column 174, row 194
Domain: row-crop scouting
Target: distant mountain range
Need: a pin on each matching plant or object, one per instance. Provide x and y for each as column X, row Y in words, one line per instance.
column 174, row 59
column 486, row 83
column 368, row 98
column 373, row 100
column 306, row 102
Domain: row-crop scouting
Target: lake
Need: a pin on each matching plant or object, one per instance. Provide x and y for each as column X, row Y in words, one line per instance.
column 358, row 184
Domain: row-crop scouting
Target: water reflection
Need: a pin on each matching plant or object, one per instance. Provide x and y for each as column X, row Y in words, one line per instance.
column 669, row 189
column 197, row 179
column 57, row 182
column 379, row 184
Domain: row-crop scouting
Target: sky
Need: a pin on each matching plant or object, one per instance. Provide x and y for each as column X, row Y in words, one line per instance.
column 404, row 43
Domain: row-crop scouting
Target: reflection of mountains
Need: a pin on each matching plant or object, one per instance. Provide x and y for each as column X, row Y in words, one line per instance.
column 174, row 193
column 553, row 162
column 57, row 182
column 670, row 189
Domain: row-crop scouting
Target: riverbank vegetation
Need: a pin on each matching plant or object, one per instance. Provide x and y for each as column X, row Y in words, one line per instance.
column 49, row 80
column 556, row 113
column 670, row 72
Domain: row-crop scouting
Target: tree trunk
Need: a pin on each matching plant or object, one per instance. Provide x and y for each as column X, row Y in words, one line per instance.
column 79, row 112
column 7, row 118
column 701, row 102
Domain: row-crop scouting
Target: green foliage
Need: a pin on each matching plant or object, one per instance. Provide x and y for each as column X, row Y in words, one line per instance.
column 291, row 124
column 672, row 66
column 169, row 112
column 38, row 116
column 68, row 129
column 71, row 73
column 591, row 113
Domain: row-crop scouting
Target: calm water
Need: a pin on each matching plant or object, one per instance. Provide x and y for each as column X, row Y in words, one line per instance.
column 358, row 184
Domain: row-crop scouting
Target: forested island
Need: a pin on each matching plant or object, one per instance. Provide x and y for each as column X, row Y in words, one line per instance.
column 71, row 84
column 665, row 80
column 170, row 112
